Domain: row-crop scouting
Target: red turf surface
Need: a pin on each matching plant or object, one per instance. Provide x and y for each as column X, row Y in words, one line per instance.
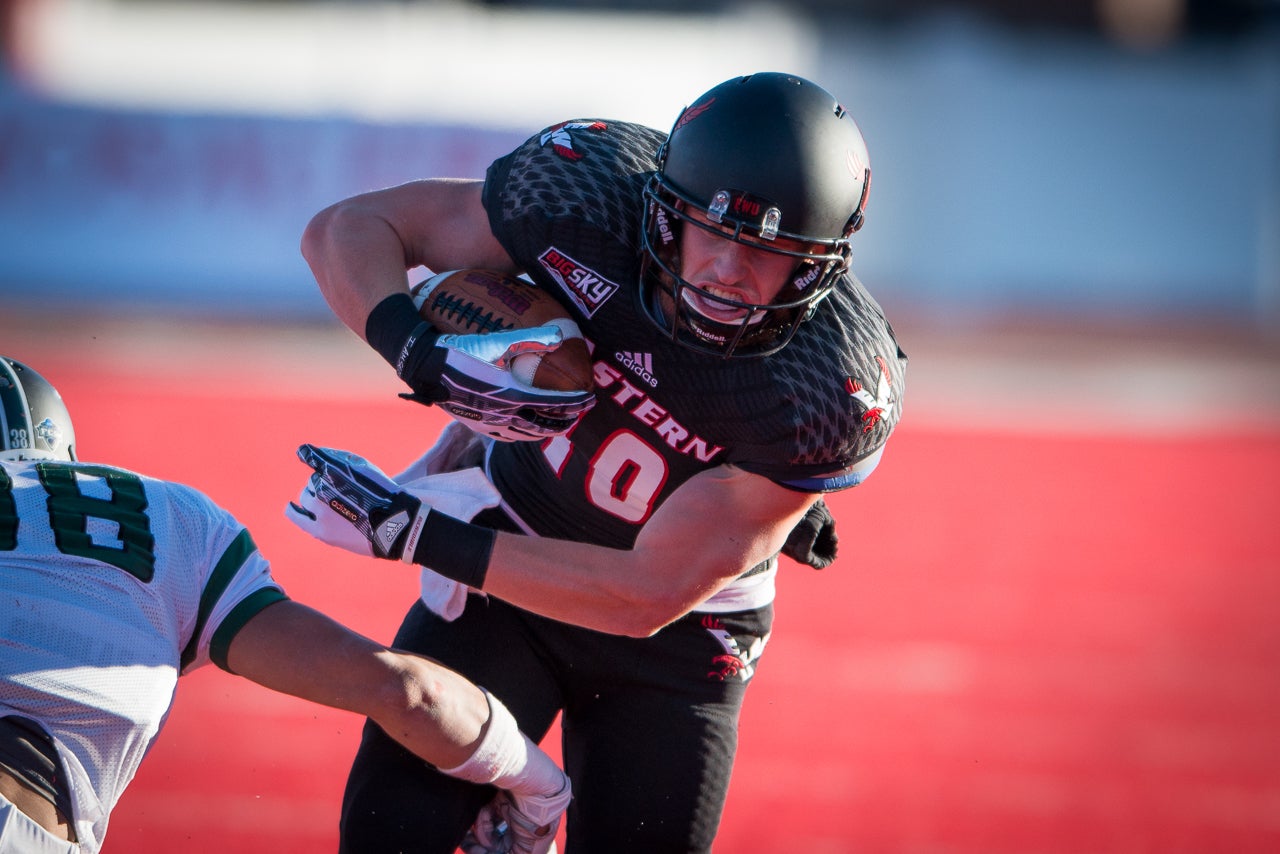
column 1029, row 644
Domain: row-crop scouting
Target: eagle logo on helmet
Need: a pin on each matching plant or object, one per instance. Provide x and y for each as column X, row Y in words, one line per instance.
column 692, row 113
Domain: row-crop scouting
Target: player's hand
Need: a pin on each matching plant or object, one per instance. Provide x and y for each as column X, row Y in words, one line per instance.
column 813, row 540
column 470, row 377
column 523, row 824
column 490, row 834
column 350, row 503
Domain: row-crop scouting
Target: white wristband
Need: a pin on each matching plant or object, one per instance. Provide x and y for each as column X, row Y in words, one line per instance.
column 506, row 758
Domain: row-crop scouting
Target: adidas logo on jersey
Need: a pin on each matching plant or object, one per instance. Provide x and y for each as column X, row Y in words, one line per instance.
column 640, row 364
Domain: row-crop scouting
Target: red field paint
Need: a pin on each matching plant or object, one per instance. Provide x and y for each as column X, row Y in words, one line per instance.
column 1030, row 642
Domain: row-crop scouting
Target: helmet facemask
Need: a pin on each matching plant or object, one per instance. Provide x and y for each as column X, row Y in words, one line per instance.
column 741, row 329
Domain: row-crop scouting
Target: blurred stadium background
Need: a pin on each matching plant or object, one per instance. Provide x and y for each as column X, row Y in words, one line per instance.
column 1054, row 626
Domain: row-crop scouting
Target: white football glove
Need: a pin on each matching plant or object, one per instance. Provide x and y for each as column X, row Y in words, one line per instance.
column 481, row 392
column 347, row 490
column 350, row 503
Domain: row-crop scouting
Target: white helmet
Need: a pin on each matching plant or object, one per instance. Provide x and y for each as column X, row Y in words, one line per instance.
column 34, row 422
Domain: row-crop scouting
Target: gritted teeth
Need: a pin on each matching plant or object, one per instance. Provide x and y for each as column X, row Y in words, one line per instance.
column 719, row 312
column 722, row 293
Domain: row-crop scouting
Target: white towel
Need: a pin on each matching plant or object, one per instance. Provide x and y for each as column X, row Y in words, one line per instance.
column 460, row 494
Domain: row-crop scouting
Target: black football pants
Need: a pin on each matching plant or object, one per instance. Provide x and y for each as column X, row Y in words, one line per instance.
column 649, row 730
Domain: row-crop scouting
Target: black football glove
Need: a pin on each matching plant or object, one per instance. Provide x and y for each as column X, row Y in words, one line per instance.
column 813, row 540
column 469, row 375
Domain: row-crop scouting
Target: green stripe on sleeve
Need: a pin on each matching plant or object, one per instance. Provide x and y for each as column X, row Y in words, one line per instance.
column 228, row 565
column 247, row 609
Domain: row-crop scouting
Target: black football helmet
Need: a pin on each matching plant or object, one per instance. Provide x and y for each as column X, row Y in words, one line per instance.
column 34, row 422
column 761, row 157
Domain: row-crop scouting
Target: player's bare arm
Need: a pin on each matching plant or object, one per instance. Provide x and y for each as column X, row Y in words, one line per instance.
column 197, row 554
column 360, row 248
column 430, row 709
column 441, row 717
column 680, row 558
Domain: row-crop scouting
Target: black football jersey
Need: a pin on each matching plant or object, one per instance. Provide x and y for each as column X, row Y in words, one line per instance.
column 567, row 207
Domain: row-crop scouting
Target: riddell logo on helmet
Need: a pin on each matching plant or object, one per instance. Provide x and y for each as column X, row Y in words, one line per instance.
column 664, row 225
column 800, row 283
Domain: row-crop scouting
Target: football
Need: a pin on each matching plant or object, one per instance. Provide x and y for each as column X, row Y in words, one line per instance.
column 476, row 301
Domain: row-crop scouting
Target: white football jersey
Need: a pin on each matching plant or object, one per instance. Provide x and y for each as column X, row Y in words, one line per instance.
column 111, row 585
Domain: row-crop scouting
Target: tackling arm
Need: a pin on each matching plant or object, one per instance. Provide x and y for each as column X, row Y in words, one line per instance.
column 431, row 710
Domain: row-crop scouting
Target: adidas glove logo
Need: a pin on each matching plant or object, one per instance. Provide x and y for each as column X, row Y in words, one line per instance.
column 390, row 529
